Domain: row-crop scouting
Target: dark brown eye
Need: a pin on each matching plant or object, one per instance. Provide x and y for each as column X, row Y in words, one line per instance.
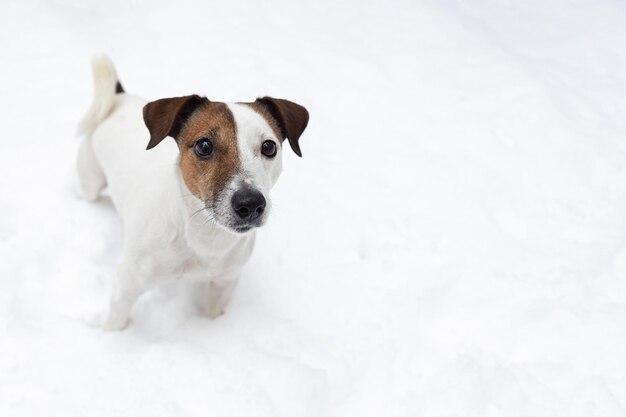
column 268, row 148
column 203, row 148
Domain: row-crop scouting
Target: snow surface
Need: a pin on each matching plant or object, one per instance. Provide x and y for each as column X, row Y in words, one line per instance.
column 452, row 243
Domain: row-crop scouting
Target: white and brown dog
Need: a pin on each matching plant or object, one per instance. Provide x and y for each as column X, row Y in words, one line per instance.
column 190, row 206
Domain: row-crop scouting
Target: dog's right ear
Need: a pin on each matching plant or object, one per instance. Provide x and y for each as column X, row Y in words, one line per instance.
column 165, row 117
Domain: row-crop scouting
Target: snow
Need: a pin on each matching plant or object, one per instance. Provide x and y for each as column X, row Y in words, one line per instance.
column 452, row 243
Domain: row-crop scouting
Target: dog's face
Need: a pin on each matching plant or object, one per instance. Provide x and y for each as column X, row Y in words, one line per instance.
column 230, row 154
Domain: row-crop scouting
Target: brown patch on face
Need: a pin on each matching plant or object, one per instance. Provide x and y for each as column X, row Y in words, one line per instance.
column 206, row 178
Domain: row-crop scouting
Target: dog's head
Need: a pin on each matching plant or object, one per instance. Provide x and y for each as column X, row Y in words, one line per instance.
column 230, row 154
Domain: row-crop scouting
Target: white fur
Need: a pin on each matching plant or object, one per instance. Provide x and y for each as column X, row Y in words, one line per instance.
column 258, row 172
column 104, row 82
column 168, row 233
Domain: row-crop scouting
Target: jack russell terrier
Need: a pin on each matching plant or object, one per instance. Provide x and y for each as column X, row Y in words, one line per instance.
column 190, row 206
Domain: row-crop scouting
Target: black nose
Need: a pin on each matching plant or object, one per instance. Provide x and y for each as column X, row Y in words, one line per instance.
column 248, row 204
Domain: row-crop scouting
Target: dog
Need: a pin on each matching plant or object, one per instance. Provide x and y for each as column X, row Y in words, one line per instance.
column 189, row 206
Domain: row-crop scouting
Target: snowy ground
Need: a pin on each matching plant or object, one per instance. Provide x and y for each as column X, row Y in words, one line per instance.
column 452, row 243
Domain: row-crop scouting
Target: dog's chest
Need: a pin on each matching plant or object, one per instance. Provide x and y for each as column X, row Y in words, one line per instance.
column 195, row 268
column 203, row 262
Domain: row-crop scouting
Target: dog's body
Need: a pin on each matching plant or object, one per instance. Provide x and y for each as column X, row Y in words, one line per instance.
column 189, row 207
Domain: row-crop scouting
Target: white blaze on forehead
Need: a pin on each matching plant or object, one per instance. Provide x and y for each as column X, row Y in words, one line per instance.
column 251, row 129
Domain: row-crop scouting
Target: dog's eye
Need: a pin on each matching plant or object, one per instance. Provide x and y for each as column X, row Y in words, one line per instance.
column 268, row 148
column 203, row 148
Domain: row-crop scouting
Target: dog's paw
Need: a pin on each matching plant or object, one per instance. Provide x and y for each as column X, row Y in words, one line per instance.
column 214, row 313
column 113, row 324
column 87, row 192
column 72, row 184
column 95, row 320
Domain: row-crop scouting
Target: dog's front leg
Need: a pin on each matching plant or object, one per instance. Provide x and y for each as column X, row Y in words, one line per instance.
column 127, row 288
column 220, row 290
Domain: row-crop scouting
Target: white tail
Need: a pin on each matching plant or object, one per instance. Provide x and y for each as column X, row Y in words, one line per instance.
column 105, row 83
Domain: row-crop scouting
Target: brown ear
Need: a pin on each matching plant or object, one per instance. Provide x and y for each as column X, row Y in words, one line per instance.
column 165, row 117
column 291, row 118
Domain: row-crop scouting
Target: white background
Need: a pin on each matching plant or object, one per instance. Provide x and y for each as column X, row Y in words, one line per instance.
column 452, row 243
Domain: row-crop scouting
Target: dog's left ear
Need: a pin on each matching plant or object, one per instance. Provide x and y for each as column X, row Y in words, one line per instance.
column 291, row 118
column 165, row 117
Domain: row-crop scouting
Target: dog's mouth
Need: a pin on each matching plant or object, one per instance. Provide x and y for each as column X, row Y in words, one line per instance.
column 242, row 229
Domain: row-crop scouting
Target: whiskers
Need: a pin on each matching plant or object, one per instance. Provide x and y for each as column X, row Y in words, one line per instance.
column 210, row 215
column 197, row 211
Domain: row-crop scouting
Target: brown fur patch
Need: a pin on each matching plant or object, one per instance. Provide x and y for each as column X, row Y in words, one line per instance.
column 165, row 117
column 207, row 177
